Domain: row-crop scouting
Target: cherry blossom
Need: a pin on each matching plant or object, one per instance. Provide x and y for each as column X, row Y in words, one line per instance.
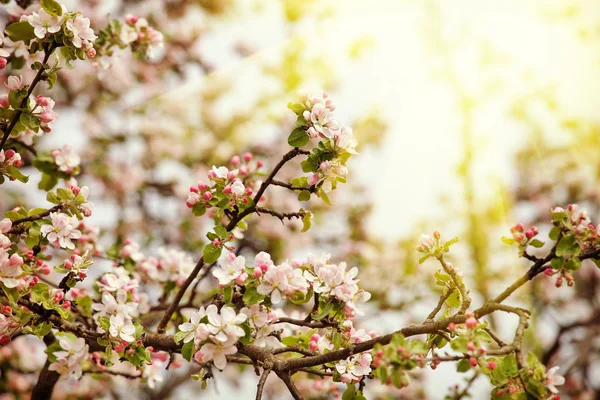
column 191, row 327
column 354, row 367
column 62, row 230
column 553, row 380
column 224, row 324
column 66, row 160
column 10, row 268
column 282, row 280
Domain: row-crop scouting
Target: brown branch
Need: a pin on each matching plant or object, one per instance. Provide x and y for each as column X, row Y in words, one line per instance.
column 311, row 189
column 34, row 217
column 439, row 306
column 300, row 322
column 281, row 215
column 35, row 81
column 261, row 383
column 45, row 385
column 464, row 293
column 285, row 377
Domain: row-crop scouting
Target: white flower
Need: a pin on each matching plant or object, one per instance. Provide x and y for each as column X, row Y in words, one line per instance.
column 115, row 306
column 80, row 27
column 68, row 361
column 10, row 268
column 355, row 367
column 44, row 23
column 121, row 328
column 225, row 325
column 192, row 326
column 345, row 140
column 66, row 159
column 63, row 229
column 14, row 82
column 5, row 225
column 117, row 281
column 237, row 188
column 220, row 172
column 152, row 373
column 217, row 352
column 229, row 270
column 263, row 261
column 283, row 280
column 553, row 380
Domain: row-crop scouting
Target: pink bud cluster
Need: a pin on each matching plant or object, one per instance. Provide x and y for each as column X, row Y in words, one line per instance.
column 521, row 236
column 10, row 158
column 234, row 184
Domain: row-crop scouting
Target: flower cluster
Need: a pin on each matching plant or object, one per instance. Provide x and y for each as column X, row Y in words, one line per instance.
column 215, row 332
column 142, row 38
column 62, row 230
column 66, row 160
column 119, row 306
column 10, row 266
column 354, row 368
column 326, row 163
column 10, row 161
column 67, row 361
column 226, row 189
column 53, row 23
column 171, row 265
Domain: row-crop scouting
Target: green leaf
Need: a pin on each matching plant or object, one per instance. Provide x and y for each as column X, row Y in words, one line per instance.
column 536, row 243
column 508, row 366
column 187, row 350
column 306, row 221
column 211, row 253
column 15, row 173
column 321, row 193
column 228, row 294
column 508, row 240
column 48, row 182
column 566, row 245
column 304, row 195
column 349, row 393
column 221, row 232
column 425, row 257
column 20, row 31
column 325, row 310
column 298, row 138
column 199, row 209
column 301, row 181
column 463, row 366
column 554, row 233
column 454, row 299
column 51, row 7
column 252, row 297
column 178, row 337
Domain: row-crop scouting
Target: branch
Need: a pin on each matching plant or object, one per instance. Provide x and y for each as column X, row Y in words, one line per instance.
column 301, row 322
column 34, row 217
column 261, row 383
column 311, row 189
column 18, row 113
column 285, row 377
column 464, row 293
column 281, row 215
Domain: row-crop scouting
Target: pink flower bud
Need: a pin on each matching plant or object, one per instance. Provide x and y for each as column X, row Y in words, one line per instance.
column 212, row 175
column 194, row 189
column 470, row 346
column 257, row 273
column 249, row 191
column 9, row 153
column 207, row 196
column 131, row 19
column 491, row 365
column 216, row 242
column 313, row 346
column 42, row 101
column 315, row 337
column 548, row 272
column 437, row 234
column 231, row 175
column 248, row 157
column 4, row 103
column 3, row 62
column 202, row 186
column 473, row 361
column 68, row 264
column 6, row 309
column 259, row 163
column 471, row 322
column 45, row 270
column 118, row 348
column 313, row 179
column 91, row 52
column 4, row 340
column 66, row 304
column 227, row 190
column 244, row 170
column 235, row 161
column 240, row 280
column 377, row 362
column 46, row 117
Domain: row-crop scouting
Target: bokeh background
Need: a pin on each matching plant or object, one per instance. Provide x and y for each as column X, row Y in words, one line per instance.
column 471, row 116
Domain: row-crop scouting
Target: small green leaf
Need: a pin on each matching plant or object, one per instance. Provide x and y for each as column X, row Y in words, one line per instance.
column 566, row 245
column 221, row 232
column 211, row 253
column 187, row 350
column 536, row 243
column 51, row 7
column 304, row 195
column 508, row 240
column 306, row 221
column 463, row 366
column 199, row 209
column 298, row 138
column 20, row 31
